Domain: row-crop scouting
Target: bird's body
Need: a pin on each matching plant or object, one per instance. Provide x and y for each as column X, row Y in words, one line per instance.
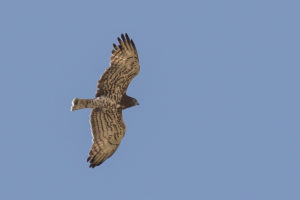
column 108, row 127
column 102, row 101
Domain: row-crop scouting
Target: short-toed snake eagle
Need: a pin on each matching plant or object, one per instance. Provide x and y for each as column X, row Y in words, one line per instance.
column 107, row 125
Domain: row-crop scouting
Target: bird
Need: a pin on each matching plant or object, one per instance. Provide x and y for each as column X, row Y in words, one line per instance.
column 106, row 120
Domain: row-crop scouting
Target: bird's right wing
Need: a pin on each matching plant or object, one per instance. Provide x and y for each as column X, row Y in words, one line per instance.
column 108, row 129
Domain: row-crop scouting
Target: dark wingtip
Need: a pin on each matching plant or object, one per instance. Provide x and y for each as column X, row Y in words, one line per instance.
column 128, row 40
column 92, row 166
column 124, row 43
column 133, row 44
column 123, row 37
column 120, row 41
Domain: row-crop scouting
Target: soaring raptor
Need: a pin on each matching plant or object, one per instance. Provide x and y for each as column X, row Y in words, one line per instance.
column 107, row 125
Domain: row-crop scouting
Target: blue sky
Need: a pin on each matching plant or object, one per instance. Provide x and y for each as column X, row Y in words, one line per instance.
column 218, row 91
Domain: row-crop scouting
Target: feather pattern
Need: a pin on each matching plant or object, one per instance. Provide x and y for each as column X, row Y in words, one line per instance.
column 108, row 129
column 124, row 66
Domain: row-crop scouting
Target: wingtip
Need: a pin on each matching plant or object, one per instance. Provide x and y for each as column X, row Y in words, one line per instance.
column 93, row 165
column 89, row 160
column 119, row 40
column 133, row 44
column 123, row 37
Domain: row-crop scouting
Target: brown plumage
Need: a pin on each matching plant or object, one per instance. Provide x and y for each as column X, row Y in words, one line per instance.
column 107, row 125
column 124, row 66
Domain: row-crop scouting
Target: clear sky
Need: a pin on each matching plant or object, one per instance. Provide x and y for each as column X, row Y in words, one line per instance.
column 219, row 94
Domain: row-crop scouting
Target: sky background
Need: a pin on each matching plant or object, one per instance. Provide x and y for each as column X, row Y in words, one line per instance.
column 219, row 94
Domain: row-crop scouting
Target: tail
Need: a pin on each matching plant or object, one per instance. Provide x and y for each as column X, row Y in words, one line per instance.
column 81, row 103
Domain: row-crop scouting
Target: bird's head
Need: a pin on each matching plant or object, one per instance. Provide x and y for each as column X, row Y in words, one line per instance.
column 131, row 102
column 127, row 102
column 136, row 103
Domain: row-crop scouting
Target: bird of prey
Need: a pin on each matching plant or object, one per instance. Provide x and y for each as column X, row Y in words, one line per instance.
column 107, row 125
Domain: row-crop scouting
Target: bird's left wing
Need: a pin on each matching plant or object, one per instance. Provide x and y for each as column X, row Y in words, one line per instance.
column 108, row 129
column 124, row 66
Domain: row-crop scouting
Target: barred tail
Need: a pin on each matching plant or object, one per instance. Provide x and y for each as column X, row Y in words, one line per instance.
column 81, row 103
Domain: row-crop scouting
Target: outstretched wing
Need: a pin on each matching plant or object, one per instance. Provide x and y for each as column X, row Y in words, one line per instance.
column 124, row 66
column 108, row 129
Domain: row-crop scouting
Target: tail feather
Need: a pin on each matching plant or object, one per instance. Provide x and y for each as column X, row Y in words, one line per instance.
column 80, row 104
